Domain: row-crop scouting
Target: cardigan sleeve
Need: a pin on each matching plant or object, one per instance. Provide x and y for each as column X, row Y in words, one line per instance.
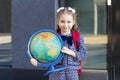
column 82, row 53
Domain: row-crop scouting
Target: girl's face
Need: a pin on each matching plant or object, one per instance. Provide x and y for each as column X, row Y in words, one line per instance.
column 65, row 23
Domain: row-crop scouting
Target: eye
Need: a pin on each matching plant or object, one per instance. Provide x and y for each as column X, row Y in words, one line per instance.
column 62, row 21
column 69, row 22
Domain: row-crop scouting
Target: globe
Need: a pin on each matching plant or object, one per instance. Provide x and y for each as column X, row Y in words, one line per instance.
column 45, row 46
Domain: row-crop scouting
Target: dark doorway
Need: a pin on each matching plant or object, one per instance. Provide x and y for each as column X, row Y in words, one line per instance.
column 5, row 16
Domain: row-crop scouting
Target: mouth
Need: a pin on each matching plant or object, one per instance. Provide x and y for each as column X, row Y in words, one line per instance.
column 65, row 28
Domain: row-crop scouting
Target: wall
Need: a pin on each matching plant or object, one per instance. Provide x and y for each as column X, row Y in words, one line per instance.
column 29, row 16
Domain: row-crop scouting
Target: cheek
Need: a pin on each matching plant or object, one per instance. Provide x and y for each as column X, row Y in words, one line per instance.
column 71, row 25
column 60, row 24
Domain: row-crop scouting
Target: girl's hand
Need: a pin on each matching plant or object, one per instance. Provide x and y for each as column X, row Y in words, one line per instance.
column 67, row 51
column 33, row 62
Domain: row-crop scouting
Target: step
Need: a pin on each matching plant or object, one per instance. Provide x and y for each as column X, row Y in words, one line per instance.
column 88, row 74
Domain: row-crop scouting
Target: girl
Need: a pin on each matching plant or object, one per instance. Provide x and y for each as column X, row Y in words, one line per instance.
column 66, row 24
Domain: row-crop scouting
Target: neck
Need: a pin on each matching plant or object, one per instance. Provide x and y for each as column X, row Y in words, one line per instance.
column 65, row 33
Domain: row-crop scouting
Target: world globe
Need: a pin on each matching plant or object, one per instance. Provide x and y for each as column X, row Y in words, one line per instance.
column 44, row 46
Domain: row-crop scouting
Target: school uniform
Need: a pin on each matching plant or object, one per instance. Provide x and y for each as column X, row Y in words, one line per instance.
column 70, row 63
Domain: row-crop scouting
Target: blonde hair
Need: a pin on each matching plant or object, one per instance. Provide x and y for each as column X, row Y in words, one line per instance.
column 72, row 12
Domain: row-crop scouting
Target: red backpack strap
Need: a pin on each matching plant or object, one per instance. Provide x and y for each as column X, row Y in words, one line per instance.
column 76, row 40
column 59, row 33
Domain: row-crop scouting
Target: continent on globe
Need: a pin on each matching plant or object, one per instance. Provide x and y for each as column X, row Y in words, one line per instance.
column 45, row 47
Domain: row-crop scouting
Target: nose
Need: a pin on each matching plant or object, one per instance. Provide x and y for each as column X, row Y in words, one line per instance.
column 65, row 25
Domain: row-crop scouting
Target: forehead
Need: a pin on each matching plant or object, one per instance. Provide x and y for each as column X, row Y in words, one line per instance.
column 66, row 16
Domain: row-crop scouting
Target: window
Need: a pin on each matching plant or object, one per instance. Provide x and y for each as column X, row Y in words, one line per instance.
column 5, row 33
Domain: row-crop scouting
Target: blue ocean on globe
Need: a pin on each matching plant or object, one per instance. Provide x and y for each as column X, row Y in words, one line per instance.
column 45, row 47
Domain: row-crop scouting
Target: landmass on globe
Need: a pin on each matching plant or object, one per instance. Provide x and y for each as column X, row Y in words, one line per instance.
column 45, row 47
